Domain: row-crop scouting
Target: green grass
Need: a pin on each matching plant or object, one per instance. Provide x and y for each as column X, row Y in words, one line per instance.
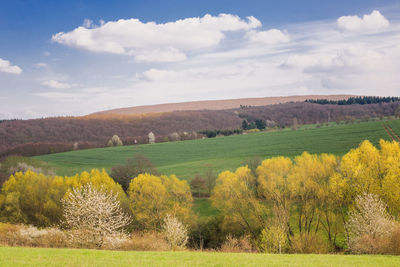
column 188, row 158
column 14, row 256
column 202, row 207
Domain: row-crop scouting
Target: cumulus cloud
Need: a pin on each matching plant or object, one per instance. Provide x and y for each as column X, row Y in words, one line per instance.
column 170, row 41
column 6, row 66
column 273, row 36
column 56, row 84
column 372, row 22
column 233, row 62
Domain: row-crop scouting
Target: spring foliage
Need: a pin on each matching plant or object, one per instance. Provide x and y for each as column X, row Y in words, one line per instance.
column 311, row 193
column 97, row 212
column 32, row 198
column 152, row 197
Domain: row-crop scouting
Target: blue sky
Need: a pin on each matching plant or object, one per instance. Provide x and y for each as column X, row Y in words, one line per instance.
column 76, row 57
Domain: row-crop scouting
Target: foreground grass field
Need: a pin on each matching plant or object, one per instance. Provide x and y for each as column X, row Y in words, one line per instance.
column 188, row 158
column 13, row 256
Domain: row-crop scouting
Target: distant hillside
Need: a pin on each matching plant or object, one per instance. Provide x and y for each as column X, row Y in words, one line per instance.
column 51, row 135
column 218, row 104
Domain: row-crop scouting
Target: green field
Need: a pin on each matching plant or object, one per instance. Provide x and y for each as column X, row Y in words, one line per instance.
column 13, row 256
column 188, row 158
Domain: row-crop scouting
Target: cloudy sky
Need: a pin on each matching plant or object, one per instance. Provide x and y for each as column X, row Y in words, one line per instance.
column 70, row 57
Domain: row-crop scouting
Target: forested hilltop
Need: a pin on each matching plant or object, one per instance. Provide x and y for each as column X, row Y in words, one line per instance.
column 50, row 135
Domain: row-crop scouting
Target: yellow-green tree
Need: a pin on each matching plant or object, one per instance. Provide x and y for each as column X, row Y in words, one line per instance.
column 99, row 180
column 32, row 198
column 273, row 187
column 152, row 198
column 367, row 169
column 308, row 183
column 390, row 160
column 235, row 195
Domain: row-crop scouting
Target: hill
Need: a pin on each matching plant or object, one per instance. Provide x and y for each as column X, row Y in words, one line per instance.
column 51, row 135
column 217, row 104
column 188, row 158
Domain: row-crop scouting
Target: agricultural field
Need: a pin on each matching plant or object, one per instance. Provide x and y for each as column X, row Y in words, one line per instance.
column 13, row 256
column 188, row 158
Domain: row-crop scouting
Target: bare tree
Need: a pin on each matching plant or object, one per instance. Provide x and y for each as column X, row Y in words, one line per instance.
column 94, row 212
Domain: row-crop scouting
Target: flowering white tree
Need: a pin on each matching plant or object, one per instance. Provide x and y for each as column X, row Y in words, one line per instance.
column 97, row 213
column 368, row 221
column 175, row 232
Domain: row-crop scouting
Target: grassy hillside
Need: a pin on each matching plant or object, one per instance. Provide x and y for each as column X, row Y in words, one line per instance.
column 188, row 158
column 13, row 256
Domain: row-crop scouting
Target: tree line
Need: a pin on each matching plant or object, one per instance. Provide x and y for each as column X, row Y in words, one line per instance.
column 361, row 100
column 309, row 204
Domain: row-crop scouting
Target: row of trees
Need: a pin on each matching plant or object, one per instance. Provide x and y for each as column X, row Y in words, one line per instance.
column 36, row 199
column 284, row 200
column 361, row 100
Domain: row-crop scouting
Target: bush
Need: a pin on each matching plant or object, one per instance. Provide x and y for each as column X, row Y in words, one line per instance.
column 94, row 216
column 309, row 243
column 145, row 241
column 369, row 225
column 22, row 235
column 175, row 233
column 273, row 240
column 240, row 244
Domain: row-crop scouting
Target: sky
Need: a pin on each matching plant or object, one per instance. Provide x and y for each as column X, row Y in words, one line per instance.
column 67, row 58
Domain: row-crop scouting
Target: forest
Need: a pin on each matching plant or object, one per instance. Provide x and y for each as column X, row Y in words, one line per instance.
column 52, row 135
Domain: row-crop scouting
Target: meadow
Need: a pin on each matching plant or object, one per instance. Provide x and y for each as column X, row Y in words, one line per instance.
column 18, row 256
column 188, row 158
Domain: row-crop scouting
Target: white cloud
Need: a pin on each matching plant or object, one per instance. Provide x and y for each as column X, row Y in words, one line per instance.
column 272, row 36
column 316, row 58
column 171, row 40
column 56, row 84
column 372, row 22
column 6, row 66
column 161, row 55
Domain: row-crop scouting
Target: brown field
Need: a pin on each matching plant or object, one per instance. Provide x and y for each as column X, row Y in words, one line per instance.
column 218, row 104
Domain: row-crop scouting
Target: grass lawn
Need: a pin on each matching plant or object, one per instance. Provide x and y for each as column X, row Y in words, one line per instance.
column 188, row 158
column 16, row 256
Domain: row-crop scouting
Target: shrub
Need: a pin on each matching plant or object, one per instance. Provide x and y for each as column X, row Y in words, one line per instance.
column 273, row 240
column 145, row 241
column 22, row 235
column 369, row 225
column 175, row 232
column 115, row 141
column 95, row 216
column 234, row 244
column 309, row 243
column 394, row 242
